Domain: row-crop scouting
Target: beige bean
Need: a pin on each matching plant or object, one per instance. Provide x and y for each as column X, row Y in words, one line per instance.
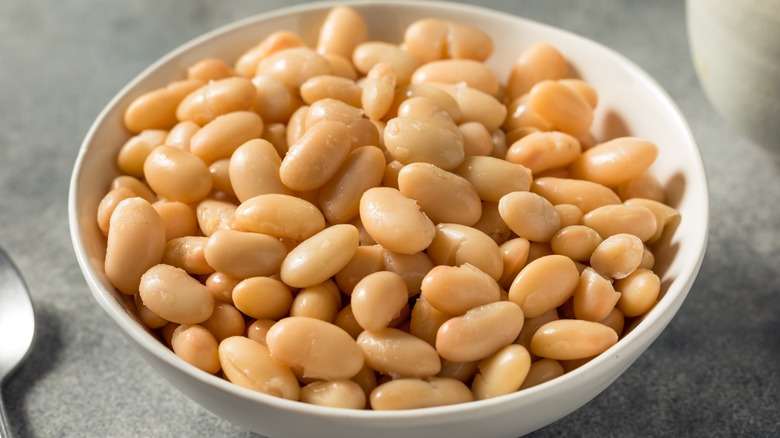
column 282, row 216
column 462, row 371
column 209, row 69
column 242, row 254
column 146, row 316
column 166, row 332
column 542, row 370
column 638, row 292
column 331, row 87
column 258, row 330
column 316, row 157
column 108, row 204
column 492, row 224
column 225, row 321
column 529, row 215
column 174, row 295
column 293, row 66
column 368, row 54
column 362, row 131
column 443, row 196
column 455, row 290
column 411, row 140
column 378, row 90
column 390, row 178
column 156, row 109
column 584, row 89
column 321, row 301
column 276, row 134
column 247, row 63
column 514, row 253
column 484, row 172
column 254, row 170
column 536, row 63
column 136, row 242
column 322, row 350
column 344, row 394
column 275, row 100
column 378, row 298
column 343, row 29
column 395, row 221
column 341, row 66
column 585, row 195
column 366, row 379
column 320, row 256
column 617, row 256
column 249, row 364
column 544, row 284
column 426, row 320
column 595, row 297
column 133, row 153
column 521, row 120
column 367, row 259
column 177, row 175
column 530, row 327
column 542, row 151
column 431, row 39
column 576, row 242
column 187, row 253
column 224, row 134
column 428, row 111
column 346, row 321
column 215, row 99
column 477, row 140
column 455, row 244
column 609, row 220
column 214, row 215
column 645, row 185
column 480, row 332
column 569, row 214
column 565, row 109
column 197, row 346
column 667, row 218
column 399, row 354
column 296, row 126
column 453, row 71
column 181, row 134
column 570, row 339
column 538, row 250
column 220, row 178
column 475, row 105
column 502, row 373
column 615, row 320
column 648, row 259
column 221, row 286
column 414, row 393
column 440, row 97
column 411, row 267
column 363, row 169
column 262, row 298
column 615, row 161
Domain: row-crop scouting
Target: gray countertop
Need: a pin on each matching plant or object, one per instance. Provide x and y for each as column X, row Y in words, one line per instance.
column 713, row 372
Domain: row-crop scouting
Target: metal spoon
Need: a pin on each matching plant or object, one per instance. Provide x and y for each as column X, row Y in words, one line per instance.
column 17, row 326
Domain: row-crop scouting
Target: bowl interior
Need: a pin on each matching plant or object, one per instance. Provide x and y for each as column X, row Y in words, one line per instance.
column 630, row 103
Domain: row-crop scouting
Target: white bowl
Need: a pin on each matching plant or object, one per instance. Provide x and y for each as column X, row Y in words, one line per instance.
column 630, row 103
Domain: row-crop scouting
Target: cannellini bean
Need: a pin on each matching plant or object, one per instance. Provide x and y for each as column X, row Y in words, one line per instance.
column 576, row 242
column 181, row 134
column 502, row 373
column 615, row 320
column 530, row 327
column 477, row 140
column 645, row 185
column 188, row 253
column 440, row 97
column 320, row 256
column 133, row 153
column 569, row 214
column 342, row 30
column 414, row 393
column 378, row 90
column 615, row 161
column 197, row 346
column 262, row 298
column 146, row 316
column 296, row 126
column 476, row 105
column 535, row 64
column 522, row 120
column 279, row 40
column 542, row 151
column 443, row 196
column 492, row 224
column 334, row 393
column 254, row 170
column 561, row 106
column 529, row 215
column 363, row 169
column 367, row 259
column 609, row 220
column 378, row 298
column 395, row 221
column 398, row 353
column 174, row 295
column 282, row 216
column 411, row 267
column 322, row 350
column 363, row 132
column 368, row 54
column 541, row 371
column 321, row 301
column 249, row 364
column 544, row 284
column 136, row 242
column 431, row 39
column 617, row 256
column 108, row 204
column 584, row 89
column 331, row 87
column 456, row 244
column 215, row 99
column 595, row 297
column 453, row 71
column 275, row 100
column 666, row 217
column 426, row 320
column 346, row 321
column 220, row 178
column 569, row 339
column 462, row 371
column 138, row 187
column 213, row 215
column 585, row 195
column 209, row 69
column 514, row 253
column 480, row 332
column 294, row 65
column 316, row 157
column 156, row 109
column 242, row 254
column 224, row 134
column 221, row 286
column 455, row 290
column 638, row 292
column 258, row 330
column 225, row 321
column 177, row 175
column 483, row 172
column 276, row 134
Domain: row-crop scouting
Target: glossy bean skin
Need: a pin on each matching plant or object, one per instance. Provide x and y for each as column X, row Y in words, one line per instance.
column 224, row 134
column 440, row 97
column 135, row 185
column 363, row 169
column 220, row 178
column 322, row 350
column 645, row 185
column 215, row 99
column 426, row 320
column 571, row 339
column 342, row 30
column 225, row 321
column 615, row 161
column 542, row 151
column 331, row 87
column 344, row 394
column 174, row 295
column 197, row 346
column 135, row 243
column 666, row 217
column 544, row 284
column 221, row 286
column 213, row 215
column 156, row 109
column 242, row 254
column 378, row 298
column 188, row 253
column 431, row 39
column 502, row 373
column 529, row 215
column 134, row 151
column 576, row 242
column 362, row 131
column 249, row 364
column 368, row 54
column 209, row 69
column 483, row 172
column 476, row 105
column 320, row 256
column 542, row 370
column 367, row 259
column 585, row 195
column 146, row 316
column 395, row 352
column 316, row 157
column 536, row 63
column 617, row 256
column 477, row 140
column 456, row 244
column 411, row 267
column 565, row 109
column 262, row 298
column 275, row 101
column 595, row 297
column 521, row 120
column 492, row 224
column 282, row 216
column 410, row 140
column 247, row 63
column 294, row 65
column 443, row 196
column 530, row 327
column 254, row 170
column 177, row 175
column 569, row 214
column 108, row 204
column 321, row 301
column 514, row 254
column 413, row 393
column 609, row 220
column 455, row 290
column 395, row 221
column 378, row 90
column 480, row 332
column 638, row 292
column 452, row 71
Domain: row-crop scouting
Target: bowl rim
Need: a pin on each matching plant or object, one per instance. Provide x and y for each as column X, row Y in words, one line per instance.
column 662, row 313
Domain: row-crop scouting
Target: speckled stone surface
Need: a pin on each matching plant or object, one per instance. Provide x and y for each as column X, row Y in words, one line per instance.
column 713, row 372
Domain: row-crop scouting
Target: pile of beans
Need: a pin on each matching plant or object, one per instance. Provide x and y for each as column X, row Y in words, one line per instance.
column 376, row 225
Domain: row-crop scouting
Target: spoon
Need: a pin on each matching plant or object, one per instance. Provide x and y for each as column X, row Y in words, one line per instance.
column 17, row 326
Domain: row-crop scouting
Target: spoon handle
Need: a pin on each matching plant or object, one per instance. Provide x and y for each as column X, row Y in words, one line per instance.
column 4, row 431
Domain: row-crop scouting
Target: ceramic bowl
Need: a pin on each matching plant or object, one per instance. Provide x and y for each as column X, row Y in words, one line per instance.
column 630, row 103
